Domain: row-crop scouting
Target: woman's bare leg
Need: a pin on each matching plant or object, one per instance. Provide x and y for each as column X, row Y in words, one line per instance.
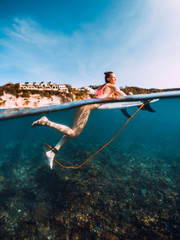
column 80, row 119
column 44, row 121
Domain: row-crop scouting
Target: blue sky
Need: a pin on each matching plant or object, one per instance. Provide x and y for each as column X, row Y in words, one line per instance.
column 75, row 42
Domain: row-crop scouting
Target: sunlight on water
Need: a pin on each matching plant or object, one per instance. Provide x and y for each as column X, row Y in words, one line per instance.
column 131, row 186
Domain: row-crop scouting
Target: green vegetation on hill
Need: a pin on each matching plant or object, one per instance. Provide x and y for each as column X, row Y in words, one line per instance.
column 73, row 94
column 11, row 89
column 137, row 90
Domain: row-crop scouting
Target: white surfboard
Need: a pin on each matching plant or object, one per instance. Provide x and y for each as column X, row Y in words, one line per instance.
column 120, row 105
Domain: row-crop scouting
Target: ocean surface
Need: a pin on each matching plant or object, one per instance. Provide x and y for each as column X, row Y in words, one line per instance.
column 129, row 190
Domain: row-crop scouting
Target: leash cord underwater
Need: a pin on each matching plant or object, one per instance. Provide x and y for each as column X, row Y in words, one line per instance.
column 54, row 149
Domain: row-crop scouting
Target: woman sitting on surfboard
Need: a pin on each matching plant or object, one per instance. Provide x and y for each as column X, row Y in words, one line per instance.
column 109, row 89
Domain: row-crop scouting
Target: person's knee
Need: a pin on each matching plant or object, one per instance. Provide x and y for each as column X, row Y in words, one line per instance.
column 72, row 134
column 75, row 133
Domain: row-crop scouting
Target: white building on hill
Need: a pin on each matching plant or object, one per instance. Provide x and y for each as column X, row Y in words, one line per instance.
column 44, row 86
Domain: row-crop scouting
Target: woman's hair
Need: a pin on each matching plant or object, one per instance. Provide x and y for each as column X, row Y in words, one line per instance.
column 107, row 75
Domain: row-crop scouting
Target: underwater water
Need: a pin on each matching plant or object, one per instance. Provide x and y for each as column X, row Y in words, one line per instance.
column 129, row 190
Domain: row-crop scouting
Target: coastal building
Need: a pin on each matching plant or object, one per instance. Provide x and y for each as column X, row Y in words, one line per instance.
column 27, row 86
column 44, row 86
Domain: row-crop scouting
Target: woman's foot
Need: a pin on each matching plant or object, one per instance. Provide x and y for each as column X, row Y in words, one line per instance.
column 50, row 155
column 41, row 121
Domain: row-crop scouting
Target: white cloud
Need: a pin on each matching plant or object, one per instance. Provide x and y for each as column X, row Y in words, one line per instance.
column 140, row 43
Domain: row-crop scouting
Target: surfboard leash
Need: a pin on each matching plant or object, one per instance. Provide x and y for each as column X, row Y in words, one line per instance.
column 72, row 167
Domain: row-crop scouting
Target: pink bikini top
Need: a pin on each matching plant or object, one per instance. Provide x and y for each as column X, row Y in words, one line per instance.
column 99, row 92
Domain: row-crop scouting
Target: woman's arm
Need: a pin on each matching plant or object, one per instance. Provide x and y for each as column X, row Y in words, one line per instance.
column 118, row 91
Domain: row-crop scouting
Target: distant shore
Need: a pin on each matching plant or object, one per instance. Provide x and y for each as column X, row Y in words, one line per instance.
column 11, row 96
